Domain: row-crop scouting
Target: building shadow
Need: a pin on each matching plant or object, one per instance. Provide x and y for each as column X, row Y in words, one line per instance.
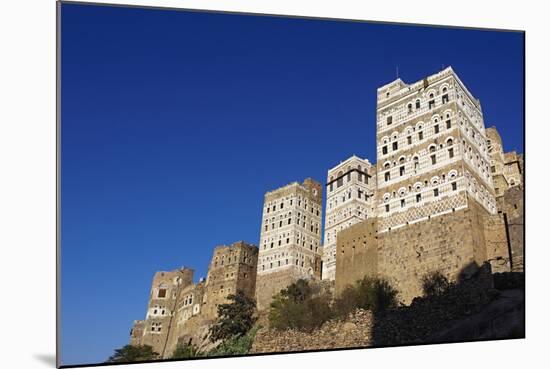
column 471, row 309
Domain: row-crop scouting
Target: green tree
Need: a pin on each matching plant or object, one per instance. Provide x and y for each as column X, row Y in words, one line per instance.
column 131, row 353
column 298, row 291
column 186, row 351
column 300, row 307
column 237, row 345
column 235, row 318
column 368, row 293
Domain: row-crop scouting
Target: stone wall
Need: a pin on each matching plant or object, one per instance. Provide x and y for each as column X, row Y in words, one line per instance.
column 268, row 285
column 356, row 253
column 511, row 206
column 470, row 309
column 453, row 243
column 354, row 332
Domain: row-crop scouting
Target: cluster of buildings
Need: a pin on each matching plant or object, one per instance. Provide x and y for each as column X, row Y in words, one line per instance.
column 442, row 196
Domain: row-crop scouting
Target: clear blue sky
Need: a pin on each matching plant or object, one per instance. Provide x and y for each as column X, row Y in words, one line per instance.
column 174, row 124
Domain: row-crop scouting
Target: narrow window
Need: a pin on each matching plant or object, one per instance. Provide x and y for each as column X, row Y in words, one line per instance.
column 387, row 208
column 418, row 197
column 420, row 135
column 454, row 186
column 410, row 107
column 387, row 176
column 436, row 128
column 445, row 98
column 433, row 159
column 389, row 120
column 409, row 140
column 448, row 123
column 436, row 192
column 384, row 150
column 402, row 203
column 402, row 170
column 417, row 104
column 451, row 153
column 431, row 104
column 394, row 146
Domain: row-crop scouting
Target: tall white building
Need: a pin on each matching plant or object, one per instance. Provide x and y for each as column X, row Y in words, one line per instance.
column 431, row 149
column 350, row 192
column 290, row 239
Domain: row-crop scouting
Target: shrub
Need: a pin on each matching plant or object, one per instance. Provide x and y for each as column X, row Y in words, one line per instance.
column 130, row 353
column 237, row 345
column 435, row 284
column 299, row 307
column 186, row 351
column 235, row 318
column 368, row 293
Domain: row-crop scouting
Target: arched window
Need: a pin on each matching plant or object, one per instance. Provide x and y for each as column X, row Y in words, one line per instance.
column 410, row 107
column 386, row 166
column 432, row 148
column 340, row 180
column 415, row 161
column 417, row 104
column 450, row 142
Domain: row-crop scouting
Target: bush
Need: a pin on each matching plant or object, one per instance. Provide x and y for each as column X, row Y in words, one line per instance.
column 368, row 293
column 435, row 284
column 299, row 307
column 131, row 353
column 238, row 345
column 186, row 351
column 235, row 318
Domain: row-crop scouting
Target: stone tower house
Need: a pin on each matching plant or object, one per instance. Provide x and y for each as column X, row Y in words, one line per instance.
column 290, row 239
column 159, row 325
column 350, row 189
column 231, row 269
column 436, row 206
column 431, row 149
